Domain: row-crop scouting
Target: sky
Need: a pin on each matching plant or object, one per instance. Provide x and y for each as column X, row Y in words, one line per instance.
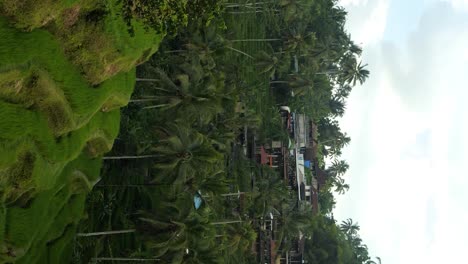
column 407, row 123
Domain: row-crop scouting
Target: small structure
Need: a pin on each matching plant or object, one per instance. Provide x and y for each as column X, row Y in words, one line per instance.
column 295, row 166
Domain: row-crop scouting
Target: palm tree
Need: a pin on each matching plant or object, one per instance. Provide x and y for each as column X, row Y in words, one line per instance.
column 271, row 192
column 112, row 259
column 104, row 233
column 373, row 262
column 296, row 221
column 331, row 137
column 191, row 95
column 203, row 254
column 270, row 64
column 202, row 247
column 354, row 49
column 209, row 183
column 293, row 9
column 232, row 5
column 337, row 106
column 267, row 63
column 255, row 40
column 360, row 250
column 300, row 40
column 146, row 221
column 206, row 42
column 340, row 186
column 239, row 237
column 338, row 168
column 127, row 157
column 146, row 80
column 353, row 72
column 299, row 84
column 225, row 222
column 180, row 155
column 184, row 153
column 349, row 228
column 187, row 236
column 166, row 227
column 343, row 91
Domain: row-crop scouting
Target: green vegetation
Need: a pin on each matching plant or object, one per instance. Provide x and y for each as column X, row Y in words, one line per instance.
column 211, row 75
column 58, row 116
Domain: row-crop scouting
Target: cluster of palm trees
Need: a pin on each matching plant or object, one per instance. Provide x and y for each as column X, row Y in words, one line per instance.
column 335, row 171
column 317, row 62
column 178, row 131
column 182, row 122
column 350, row 230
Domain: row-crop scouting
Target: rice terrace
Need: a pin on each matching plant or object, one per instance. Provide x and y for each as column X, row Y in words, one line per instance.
column 175, row 131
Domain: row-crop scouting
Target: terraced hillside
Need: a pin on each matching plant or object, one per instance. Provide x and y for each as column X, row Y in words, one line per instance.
column 66, row 68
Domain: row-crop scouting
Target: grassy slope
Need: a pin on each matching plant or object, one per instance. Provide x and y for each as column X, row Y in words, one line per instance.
column 54, row 124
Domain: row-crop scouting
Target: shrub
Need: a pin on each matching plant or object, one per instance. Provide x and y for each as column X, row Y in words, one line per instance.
column 169, row 15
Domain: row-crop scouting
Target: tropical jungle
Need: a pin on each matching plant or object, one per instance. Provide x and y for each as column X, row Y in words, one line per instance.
column 175, row 131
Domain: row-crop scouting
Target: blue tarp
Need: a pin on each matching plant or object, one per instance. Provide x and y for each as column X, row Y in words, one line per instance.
column 307, row 163
column 197, row 200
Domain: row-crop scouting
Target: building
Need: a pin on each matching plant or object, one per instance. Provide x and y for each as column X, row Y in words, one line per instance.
column 302, row 173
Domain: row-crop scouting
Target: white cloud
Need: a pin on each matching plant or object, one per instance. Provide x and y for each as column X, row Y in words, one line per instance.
column 460, row 5
column 371, row 29
column 408, row 150
column 352, row 2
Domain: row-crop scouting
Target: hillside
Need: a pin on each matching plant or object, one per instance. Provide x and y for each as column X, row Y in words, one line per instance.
column 65, row 70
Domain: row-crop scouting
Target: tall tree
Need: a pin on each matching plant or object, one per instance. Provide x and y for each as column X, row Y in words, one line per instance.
column 338, row 168
column 353, row 71
column 183, row 153
column 331, row 137
column 340, row 186
column 337, row 106
column 271, row 63
column 349, row 227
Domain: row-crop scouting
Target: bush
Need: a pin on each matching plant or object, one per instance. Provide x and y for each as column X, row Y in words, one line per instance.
column 169, row 15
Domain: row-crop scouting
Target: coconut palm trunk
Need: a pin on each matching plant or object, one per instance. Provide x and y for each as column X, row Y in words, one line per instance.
column 284, row 82
column 115, row 232
column 175, row 51
column 254, row 40
column 132, row 185
column 240, row 51
column 226, row 194
column 146, row 80
column 232, row 194
column 327, row 72
column 250, row 12
column 124, row 259
column 143, row 100
column 226, row 222
column 180, row 51
column 232, row 5
column 130, row 157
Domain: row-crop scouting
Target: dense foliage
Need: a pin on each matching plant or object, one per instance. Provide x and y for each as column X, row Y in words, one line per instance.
column 169, row 15
column 179, row 137
column 177, row 186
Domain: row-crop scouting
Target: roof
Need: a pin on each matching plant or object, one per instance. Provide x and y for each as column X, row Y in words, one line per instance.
column 263, row 156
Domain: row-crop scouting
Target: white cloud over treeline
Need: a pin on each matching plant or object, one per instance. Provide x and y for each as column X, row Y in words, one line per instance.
column 408, row 128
